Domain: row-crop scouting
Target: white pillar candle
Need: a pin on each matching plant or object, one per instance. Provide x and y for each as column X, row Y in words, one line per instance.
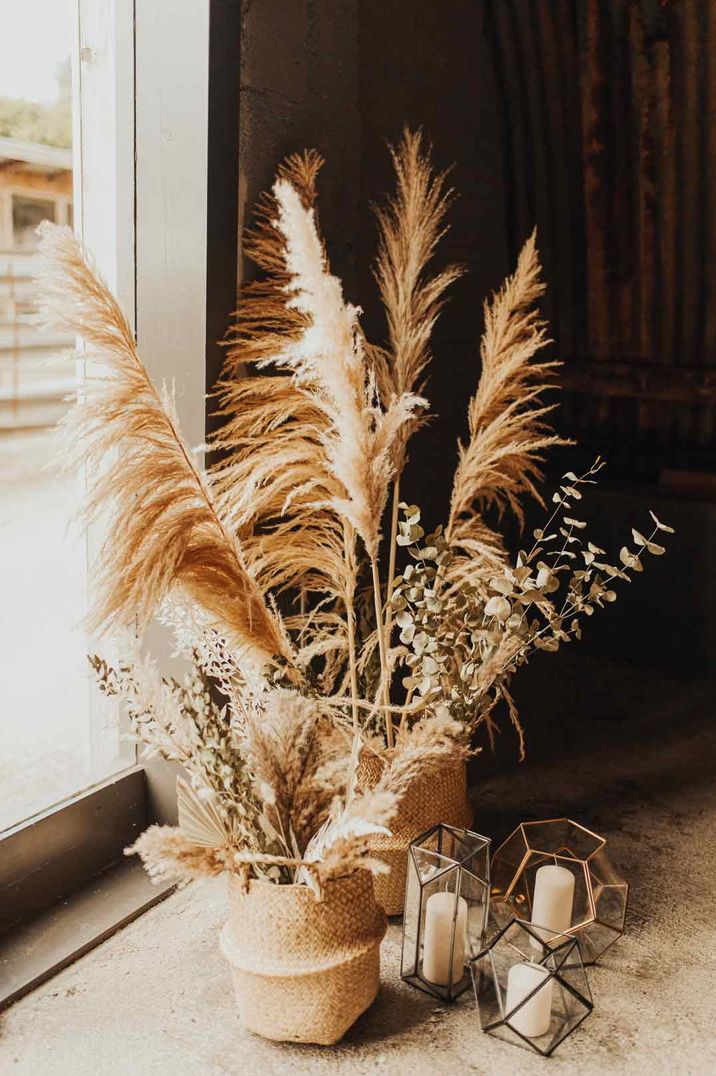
column 438, row 934
column 552, row 900
column 535, row 1016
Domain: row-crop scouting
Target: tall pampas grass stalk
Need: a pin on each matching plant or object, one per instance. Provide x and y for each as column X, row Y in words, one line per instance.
column 272, row 476
column 164, row 529
column 410, row 224
column 502, row 459
column 327, row 358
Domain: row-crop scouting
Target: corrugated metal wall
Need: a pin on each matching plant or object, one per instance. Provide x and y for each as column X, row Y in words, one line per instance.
column 609, row 146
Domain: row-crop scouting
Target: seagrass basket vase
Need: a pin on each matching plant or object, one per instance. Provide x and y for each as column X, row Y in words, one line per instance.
column 303, row 970
column 439, row 795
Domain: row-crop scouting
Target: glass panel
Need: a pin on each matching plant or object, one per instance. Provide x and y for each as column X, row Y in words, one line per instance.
column 27, row 213
column 50, row 750
column 411, row 919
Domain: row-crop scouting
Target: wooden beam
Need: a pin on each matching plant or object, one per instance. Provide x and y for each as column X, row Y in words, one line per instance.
column 640, row 380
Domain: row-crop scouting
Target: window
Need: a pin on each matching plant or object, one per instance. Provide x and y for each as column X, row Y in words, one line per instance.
column 144, row 193
column 55, row 743
column 27, row 213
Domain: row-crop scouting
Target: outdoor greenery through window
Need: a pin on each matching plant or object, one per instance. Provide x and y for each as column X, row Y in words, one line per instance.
column 50, row 748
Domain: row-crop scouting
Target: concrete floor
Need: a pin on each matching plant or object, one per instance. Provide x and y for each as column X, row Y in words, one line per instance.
column 156, row 998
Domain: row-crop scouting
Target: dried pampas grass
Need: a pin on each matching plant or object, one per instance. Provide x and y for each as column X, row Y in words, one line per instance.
column 168, row 855
column 502, row 460
column 410, row 224
column 164, row 527
column 421, row 750
column 299, row 761
column 328, row 360
column 272, row 476
column 300, row 817
column 339, row 462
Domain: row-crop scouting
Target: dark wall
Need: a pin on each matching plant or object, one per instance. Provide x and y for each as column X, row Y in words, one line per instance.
column 299, row 89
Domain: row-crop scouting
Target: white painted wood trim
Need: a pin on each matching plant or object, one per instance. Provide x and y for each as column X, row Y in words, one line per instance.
column 103, row 141
column 172, row 86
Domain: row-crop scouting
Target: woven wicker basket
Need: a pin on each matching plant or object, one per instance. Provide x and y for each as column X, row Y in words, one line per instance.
column 304, row 970
column 438, row 796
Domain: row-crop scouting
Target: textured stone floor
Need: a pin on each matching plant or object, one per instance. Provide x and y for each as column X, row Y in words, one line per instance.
column 156, row 998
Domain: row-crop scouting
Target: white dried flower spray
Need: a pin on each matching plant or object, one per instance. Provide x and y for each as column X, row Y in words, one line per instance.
column 328, row 360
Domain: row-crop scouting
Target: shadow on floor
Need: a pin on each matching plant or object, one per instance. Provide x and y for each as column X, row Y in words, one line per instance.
column 601, row 739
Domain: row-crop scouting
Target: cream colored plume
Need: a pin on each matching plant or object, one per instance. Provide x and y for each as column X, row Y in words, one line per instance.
column 272, row 478
column 503, row 458
column 328, row 360
column 163, row 527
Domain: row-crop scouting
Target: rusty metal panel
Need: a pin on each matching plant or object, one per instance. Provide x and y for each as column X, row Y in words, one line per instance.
column 608, row 123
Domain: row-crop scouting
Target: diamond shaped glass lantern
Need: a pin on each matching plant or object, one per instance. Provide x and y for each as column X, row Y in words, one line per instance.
column 557, row 875
column 447, row 898
column 529, row 990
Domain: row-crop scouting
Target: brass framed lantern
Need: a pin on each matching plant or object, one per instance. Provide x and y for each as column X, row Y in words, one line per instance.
column 556, row 875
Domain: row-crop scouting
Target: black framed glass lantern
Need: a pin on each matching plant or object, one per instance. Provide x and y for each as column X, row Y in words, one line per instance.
column 446, row 906
column 531, row 990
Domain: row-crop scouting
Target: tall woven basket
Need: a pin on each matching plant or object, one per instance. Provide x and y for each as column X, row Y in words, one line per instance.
column 437, row 796
column 303, row 969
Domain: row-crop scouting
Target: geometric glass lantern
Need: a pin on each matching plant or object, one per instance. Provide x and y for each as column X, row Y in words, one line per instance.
column 557, row 875
column 529, row 990
column 447, row 898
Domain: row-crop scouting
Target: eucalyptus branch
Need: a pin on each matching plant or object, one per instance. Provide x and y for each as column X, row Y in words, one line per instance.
column 462, row 643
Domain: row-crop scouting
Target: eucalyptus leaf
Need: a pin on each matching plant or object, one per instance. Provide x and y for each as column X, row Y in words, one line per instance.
column 661, row 526
column 499, row 607
column 501, row 585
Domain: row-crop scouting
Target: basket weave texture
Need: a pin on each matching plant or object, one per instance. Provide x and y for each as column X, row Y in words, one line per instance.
column 439, row 795
column 304, row 970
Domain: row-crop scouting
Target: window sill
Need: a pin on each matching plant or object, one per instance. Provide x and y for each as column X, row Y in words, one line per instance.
column 34, row 951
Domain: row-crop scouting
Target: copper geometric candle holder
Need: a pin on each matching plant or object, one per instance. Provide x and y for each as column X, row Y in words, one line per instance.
column 529, row 991
column 600, row 892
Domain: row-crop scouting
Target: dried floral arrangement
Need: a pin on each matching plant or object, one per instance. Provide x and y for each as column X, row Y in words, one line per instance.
column 272, row 795
column 271, row 569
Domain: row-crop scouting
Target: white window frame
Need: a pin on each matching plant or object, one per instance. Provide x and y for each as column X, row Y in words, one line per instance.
column 141, row 125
